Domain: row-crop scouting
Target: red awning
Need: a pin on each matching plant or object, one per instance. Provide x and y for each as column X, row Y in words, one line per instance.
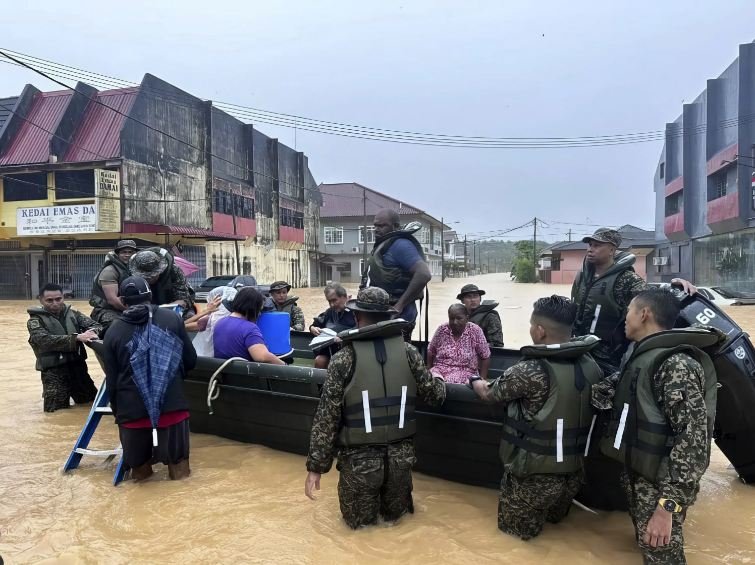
column 129, row 227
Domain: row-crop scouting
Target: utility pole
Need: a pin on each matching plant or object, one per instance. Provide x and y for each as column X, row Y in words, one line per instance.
column 364, row 231
column 569, row 234
column 466, row 272
column 442, row 250
column 534, row 247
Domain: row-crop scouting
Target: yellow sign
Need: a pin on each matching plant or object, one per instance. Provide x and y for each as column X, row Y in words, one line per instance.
column 107, row 190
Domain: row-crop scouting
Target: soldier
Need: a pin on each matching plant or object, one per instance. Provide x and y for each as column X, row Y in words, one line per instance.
column 367, row 410
column 105, row 300
column 484, row 315
column 549, row 420
column 166, row 280
column 398, row 266
column 282, row 302
column 602, row 291
column 57, row 334
column 662, row 412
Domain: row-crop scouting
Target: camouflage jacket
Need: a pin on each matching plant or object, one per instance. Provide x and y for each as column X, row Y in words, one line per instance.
column 327, row 422
column 297, row 318
column 42, row 341
column 679, row 387
column 628, row 285
column 526, row 382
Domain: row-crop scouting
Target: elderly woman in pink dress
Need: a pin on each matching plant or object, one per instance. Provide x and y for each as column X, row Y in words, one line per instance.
column 458, row 349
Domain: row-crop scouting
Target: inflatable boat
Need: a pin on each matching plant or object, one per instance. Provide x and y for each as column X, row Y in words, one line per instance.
column 274, row 405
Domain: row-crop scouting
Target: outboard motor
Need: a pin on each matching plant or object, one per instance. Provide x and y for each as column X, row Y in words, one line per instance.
column 734, row 431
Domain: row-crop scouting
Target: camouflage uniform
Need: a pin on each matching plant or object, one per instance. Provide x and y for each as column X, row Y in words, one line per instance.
column 679, row 390
column 297, row 318
column 375, row 480
column 69, row 380
column 525, row 503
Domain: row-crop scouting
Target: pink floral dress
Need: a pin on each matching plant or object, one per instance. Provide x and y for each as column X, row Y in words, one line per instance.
column 458, row 359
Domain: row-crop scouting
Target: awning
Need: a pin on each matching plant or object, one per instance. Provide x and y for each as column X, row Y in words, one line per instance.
column 129, row 227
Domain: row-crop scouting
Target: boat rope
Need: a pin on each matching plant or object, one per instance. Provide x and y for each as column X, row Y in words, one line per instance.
column 213, row 391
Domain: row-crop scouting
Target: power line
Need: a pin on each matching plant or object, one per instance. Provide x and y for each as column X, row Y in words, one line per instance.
column 382, row 134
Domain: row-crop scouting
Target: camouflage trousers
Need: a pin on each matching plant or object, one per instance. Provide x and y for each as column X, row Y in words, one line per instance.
column 643, row 500
column 525, row 504
column 64, row 382
column 375, row 481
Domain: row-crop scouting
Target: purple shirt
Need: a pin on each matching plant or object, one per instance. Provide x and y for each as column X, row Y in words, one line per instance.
column 232, row 337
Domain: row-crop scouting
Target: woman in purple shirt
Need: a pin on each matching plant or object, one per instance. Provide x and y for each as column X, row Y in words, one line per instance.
column 237, row 335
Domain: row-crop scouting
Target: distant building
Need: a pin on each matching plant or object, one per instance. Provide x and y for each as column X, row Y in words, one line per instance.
column 346, row 209
column 455, row 254
column 560, row 262
column 705, row 184
column 80, row 169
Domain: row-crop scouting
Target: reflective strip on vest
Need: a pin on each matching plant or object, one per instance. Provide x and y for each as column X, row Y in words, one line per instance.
column 589, row 434
column 622, row 425
column 366, row 410
column 403, row 407
column 560, row 440
column 595, row 318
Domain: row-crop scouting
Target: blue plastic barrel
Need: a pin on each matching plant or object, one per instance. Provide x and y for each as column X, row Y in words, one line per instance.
column 276, row 329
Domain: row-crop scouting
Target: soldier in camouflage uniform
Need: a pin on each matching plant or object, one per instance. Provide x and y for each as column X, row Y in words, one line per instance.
column 602, row 291
column 282, row 302
column 166, row 280
column 482, row 313
column 662, row 412
column 104, row 298
column 549, row 388
column 57, row 334
column 375, row 448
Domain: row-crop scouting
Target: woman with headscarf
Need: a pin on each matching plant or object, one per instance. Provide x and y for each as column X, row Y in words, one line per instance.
column 458, row 349
column 218, row 307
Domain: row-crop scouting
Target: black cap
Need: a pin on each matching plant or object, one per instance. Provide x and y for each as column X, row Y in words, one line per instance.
column 135, row 290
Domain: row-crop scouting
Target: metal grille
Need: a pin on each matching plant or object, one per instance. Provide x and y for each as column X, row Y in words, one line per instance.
column 198, row 255
column 13, row 280
column 75, row 271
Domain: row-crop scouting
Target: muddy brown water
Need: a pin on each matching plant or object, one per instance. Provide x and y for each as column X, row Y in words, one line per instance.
column 245, row 503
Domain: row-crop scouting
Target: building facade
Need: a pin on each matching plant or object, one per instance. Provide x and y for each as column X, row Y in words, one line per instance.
column 82, row 168
column 560, row 262
column 705, row 184
column 345, row 243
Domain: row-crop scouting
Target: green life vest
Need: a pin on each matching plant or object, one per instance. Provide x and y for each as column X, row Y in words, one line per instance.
column 393, row 280
column 483, row 311
column 287, row 306
column 599, row 313
column 65, row 324
column 638, row 434
column 557, row 438
column 98, row 299
column 379, row 400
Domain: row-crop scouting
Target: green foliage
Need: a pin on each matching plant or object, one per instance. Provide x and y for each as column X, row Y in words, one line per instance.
column 525, row 271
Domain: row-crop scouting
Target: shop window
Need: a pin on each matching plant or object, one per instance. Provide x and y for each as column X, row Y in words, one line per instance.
column 29, row 186
column 74, row 184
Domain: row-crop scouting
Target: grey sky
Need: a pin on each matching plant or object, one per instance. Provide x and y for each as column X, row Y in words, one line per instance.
column 469, row 68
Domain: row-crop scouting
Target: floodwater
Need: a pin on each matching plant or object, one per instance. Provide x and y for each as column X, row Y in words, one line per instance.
column 245, row 503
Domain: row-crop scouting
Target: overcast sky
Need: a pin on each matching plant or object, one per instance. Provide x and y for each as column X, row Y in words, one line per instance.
column 502, row 69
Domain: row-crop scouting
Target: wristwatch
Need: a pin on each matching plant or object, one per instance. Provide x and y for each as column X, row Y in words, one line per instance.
column 669, row 505
column 473, row 379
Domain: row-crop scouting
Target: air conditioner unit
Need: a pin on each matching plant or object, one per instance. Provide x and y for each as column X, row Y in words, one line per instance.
column 659, row 261
column 355, row 250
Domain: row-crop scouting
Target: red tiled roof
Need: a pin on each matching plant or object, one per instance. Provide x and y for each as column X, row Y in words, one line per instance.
column 345, row 199
column 99, row 134
column 31, row 144
column 135, row 227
